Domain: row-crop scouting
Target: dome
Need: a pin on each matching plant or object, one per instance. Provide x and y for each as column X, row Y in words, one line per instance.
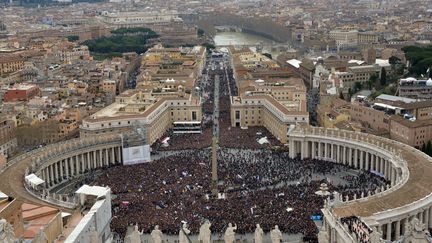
column 429, row 82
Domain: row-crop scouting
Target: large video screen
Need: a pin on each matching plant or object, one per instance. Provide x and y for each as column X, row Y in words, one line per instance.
column 136, row 155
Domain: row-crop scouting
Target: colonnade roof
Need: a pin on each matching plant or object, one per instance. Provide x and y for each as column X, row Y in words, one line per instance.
column 418, row 186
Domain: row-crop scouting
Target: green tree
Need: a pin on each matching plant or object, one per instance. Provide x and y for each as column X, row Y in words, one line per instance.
column 209, row 46
column 429, row 148
column 201, row 32
column 372, row 81
column 394, row 60
column 357, row 87
column 420, row 58
column 268, row 55
column 73, row 38
column 383, row 78
column 341, row 96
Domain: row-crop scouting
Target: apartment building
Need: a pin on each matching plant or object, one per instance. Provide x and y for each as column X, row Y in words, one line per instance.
column 415, row 88
column 21, row 92
column 344, row 38
column 10, row 64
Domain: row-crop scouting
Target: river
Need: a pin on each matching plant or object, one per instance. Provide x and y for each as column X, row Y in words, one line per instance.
column 241, row 38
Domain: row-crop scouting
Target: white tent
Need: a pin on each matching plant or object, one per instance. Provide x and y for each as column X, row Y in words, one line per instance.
column 263, row 140
column 3, row 196
column 34, row 180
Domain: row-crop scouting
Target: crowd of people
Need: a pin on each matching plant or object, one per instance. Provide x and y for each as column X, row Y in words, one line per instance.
column 358, row 228
column 259, row 186
column 231, row 137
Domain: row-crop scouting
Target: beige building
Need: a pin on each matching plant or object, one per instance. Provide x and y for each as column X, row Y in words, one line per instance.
column 10, row 64
column 137, row 109
column 367, row 37
column 264, row 110
column 372, row 120
column 171, row 69
column 274, row 100
column 344, row 38
column 414, row 133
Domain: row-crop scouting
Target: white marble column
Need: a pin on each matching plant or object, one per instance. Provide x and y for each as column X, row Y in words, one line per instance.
column 94, row 159
column 386, row 169
column 397, row 230
column 350, row 156
column 61, row 169
column 313, row 150
column 51, row 175
column 101, row 157
column 381, row 163
column 430, row 216
column 44, row 175
column 292, row 149
column 361, row 159
column 55, row 172
column 355, row 158
column 72, row 165
column 302, row 149
column 112, row 155
column 67, row 167
column 82, row 163
column 320, row 150
column 106, row 157
column 338, row 153
column 119, row 151
column 426, row 217
column 325, row 150
column 388, row 234
column 88, row 162
column 367, row 160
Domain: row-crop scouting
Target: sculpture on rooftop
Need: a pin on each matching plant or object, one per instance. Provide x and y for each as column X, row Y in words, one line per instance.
column 259, row 234
column 7, row 234
column 276, row 235
column 229, row 236
column 205, row 232
column 135, row 235
column 375, row 236
column 184, row 231
column 415, row 232
column 156, row 235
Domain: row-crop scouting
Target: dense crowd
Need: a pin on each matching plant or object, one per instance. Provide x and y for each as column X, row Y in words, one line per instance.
column 358, row 228
column 260, row 186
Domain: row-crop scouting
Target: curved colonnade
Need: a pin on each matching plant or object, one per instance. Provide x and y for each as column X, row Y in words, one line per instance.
column 59, row 163
column 386, row 211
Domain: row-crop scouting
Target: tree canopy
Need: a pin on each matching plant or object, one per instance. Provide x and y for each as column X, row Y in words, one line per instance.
column 123, row 40
column 420, row 59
